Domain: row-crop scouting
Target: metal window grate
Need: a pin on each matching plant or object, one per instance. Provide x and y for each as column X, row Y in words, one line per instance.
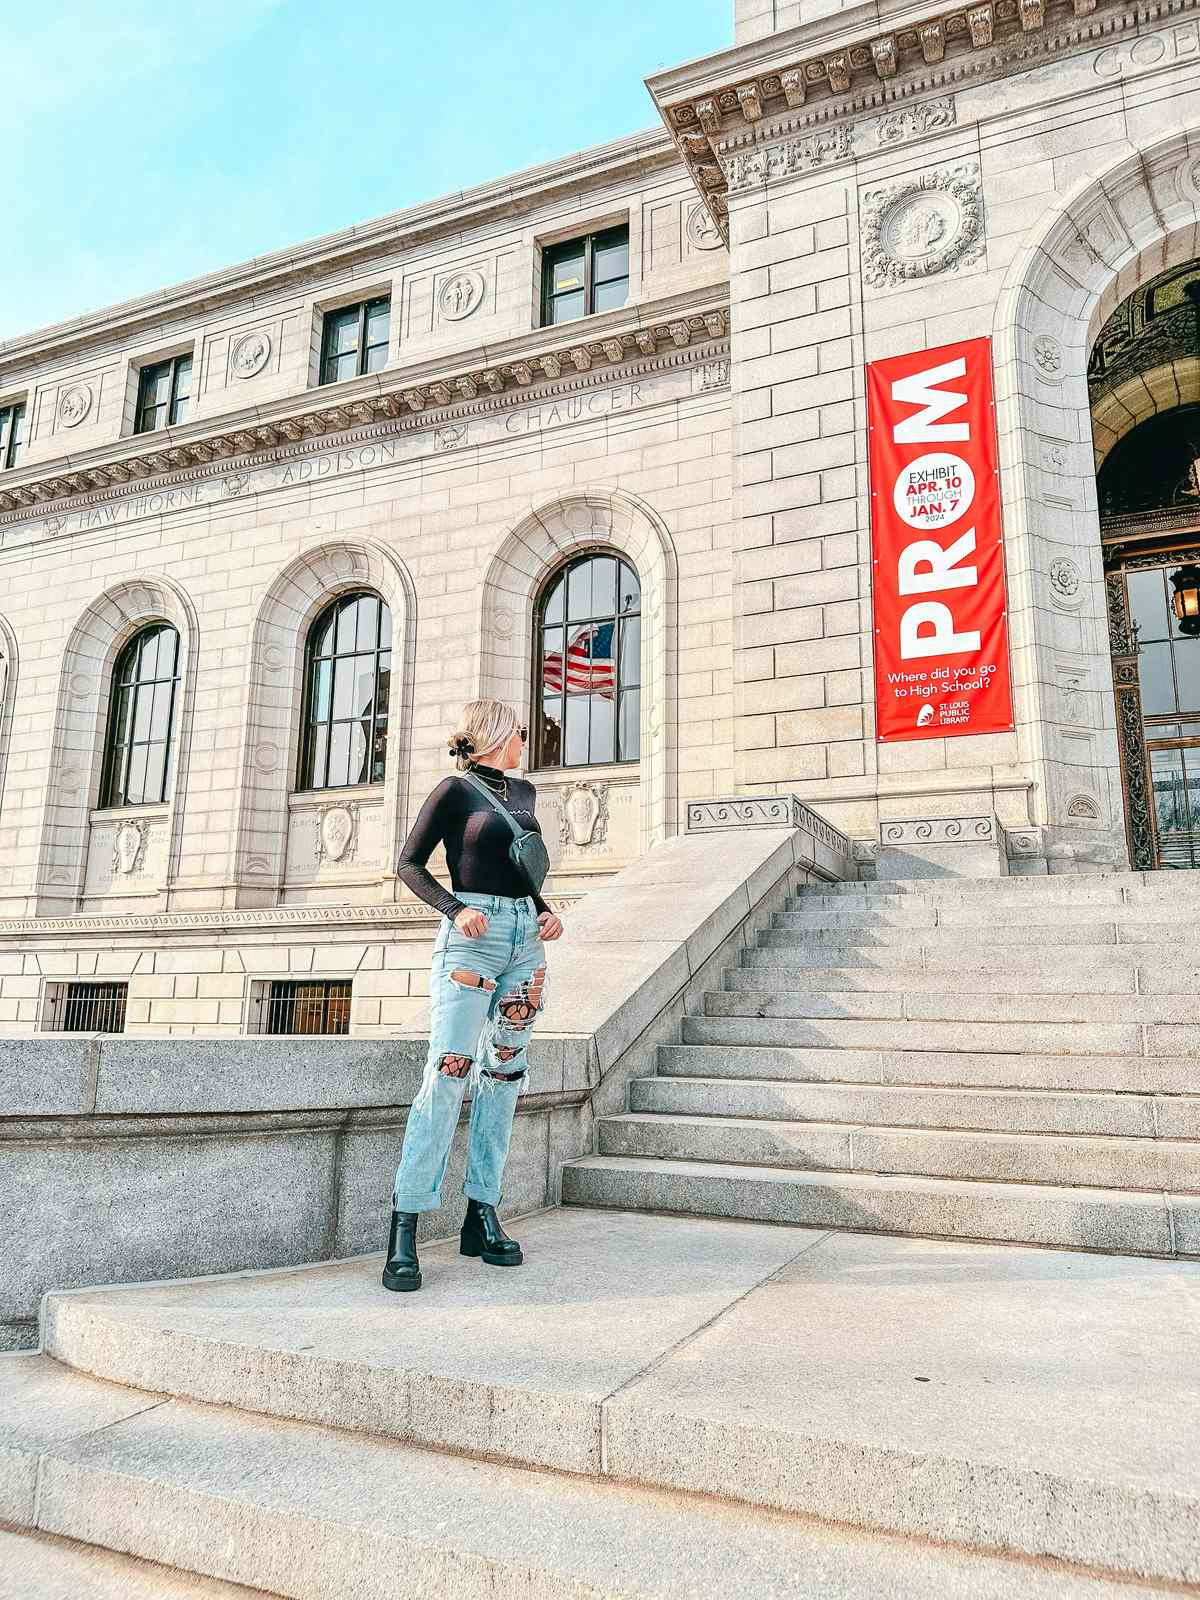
column 89, row 1008
column 292, row 1007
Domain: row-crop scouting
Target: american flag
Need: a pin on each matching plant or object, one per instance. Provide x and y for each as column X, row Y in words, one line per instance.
column 590, row 668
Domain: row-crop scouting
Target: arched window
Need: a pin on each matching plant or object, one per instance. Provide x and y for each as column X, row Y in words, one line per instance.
column 346, row 680
column 587, row 673
column 141, row 716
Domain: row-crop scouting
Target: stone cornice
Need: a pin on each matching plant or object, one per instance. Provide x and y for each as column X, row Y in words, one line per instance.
column 617, row 344
column 286, row 919
column 850, row 61
column 507, row 199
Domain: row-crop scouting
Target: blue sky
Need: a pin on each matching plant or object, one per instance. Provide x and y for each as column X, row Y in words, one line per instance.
column 144, row 142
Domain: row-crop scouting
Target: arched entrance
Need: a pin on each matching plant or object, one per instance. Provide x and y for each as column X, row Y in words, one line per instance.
column 1144, row 392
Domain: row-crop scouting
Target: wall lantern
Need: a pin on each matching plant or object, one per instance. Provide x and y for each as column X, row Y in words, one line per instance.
column 1185, row 602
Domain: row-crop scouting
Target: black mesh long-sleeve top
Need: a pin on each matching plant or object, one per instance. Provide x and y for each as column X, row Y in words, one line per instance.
column 476, row 838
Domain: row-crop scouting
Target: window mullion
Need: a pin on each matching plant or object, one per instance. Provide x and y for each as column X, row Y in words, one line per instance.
column 361, row 362
column 589, row 305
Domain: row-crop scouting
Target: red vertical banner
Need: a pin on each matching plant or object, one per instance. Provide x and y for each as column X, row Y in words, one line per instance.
column 937, row 548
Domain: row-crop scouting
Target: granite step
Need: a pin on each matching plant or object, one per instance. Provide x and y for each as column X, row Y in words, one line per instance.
column 1127, row 1222
column 1061, row 1160
column 1149, row 885
column 1175, row 1078
column 956, row 914
column 1120, row 974
column 963, row 1035
column 988, row 1109
column 303, row 1432
column 975, row 962
column 739, row 999
column 1148, row 937
column 39, row 1567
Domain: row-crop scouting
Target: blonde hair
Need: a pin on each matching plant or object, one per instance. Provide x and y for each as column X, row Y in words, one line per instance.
column 483, row 726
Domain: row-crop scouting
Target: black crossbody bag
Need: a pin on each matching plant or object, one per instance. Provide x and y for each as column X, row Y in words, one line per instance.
column 527, row 852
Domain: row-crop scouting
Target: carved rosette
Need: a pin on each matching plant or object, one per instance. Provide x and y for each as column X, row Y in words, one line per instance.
column 583, row 814
column 923, row 225
column 1066, row 582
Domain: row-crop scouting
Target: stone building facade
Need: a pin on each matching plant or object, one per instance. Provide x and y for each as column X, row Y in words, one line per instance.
column 839, row 186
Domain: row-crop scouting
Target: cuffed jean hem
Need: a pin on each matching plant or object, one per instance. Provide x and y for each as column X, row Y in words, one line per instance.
column 486, row 1197
column 420, row 1202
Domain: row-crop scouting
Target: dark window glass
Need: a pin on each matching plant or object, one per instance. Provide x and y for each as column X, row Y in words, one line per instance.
column 90, row 1008
column 145, row 685
column 347, row 680
column 587, row 671
column 583, row 276
column 164, row 394
column 318, row 1007
column 12, row 434
column 354, row 340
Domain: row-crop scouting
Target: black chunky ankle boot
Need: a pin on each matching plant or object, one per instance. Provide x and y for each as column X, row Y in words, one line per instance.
column 402, row 1270
column 483, row 1236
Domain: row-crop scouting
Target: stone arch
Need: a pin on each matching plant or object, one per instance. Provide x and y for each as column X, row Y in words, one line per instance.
column 1163, row 388
column 77, row 744
column 275, row 681
column 1113, row 232
column 575, row 521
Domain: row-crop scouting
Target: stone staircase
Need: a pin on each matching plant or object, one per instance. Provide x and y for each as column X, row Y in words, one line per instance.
column 1008, row 1059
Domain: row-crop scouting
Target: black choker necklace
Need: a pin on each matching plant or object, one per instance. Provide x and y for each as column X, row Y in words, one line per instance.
column 489, row 775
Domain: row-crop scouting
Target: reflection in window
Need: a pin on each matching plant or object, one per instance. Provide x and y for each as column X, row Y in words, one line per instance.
column 347, row 680
column 583, row 276
column 137, row 756
column 1175, row 780
column 164, row 394
column 354, row 340
column 12, row 434
column 1168, row 659
column 588, row 669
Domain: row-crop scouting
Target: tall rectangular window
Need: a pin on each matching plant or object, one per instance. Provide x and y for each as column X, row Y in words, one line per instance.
column 164, row 391
column 354, row 340
column 12, row 434
column 583, row 276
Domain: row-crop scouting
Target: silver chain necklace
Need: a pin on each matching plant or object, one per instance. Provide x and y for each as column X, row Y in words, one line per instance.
column 502, row 790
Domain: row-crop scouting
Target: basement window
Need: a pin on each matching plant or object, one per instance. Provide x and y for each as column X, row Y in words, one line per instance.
column 305, row 1006
column 85, row 1007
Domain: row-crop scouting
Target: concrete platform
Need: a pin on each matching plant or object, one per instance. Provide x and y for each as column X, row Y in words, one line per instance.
column 1018, row 1400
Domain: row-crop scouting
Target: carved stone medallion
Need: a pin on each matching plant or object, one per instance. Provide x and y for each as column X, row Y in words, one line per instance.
column 337, row 827
column 584, row 817
column 250, row 354
column 701, row 230
column 450, row 437
column 129, row 848
column 460, row 295
column 237, row 483
column 1083, row 808
column 923, row 225
column 1048, row 357
column 74, row 404
column 1065, row 580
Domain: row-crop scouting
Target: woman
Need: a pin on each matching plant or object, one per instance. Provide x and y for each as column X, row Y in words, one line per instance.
column 486, row 986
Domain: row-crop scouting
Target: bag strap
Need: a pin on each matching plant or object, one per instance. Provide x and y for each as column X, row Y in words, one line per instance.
column 476, row 783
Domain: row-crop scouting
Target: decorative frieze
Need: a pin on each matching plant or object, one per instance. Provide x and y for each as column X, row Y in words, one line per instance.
column 489, row 420
column 922, row 225
column 765, row 811
column 787, row 158
column 487, row 387
column 282, row 918
column 939, row 830
column 960, row 43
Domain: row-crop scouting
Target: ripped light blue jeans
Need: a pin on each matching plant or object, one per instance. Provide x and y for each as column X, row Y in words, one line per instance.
column 484, row 996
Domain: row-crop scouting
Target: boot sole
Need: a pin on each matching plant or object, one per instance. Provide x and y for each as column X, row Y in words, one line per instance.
column 402, row 1285
column 491, row 1259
